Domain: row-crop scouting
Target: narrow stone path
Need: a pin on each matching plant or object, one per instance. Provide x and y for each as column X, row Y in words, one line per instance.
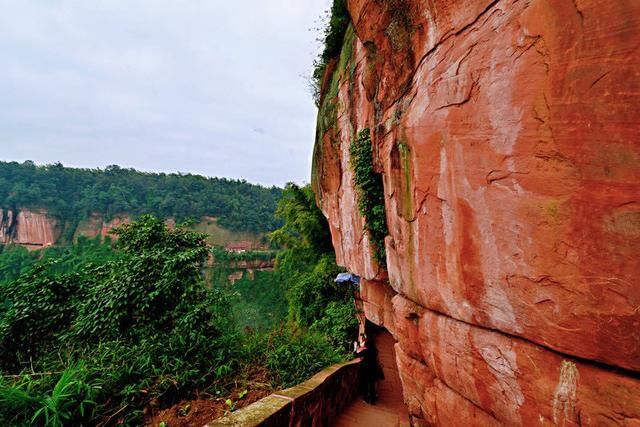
column 389, row 410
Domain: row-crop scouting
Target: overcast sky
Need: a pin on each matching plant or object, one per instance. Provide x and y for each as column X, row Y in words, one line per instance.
column 214, row 87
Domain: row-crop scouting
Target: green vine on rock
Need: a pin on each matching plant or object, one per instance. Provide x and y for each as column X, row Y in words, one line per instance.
column 370, row 193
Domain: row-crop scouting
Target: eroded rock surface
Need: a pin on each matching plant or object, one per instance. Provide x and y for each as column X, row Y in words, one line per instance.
column 37, row 228
column 33, row 229
column 508, row 136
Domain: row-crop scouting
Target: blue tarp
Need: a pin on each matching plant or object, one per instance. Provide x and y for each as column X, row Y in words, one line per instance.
column 347, row 278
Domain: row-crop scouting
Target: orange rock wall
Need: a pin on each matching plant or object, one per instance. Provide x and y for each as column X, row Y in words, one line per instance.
column 36, row 229
column 97, row 225
column 508, row 135
column 33, row 229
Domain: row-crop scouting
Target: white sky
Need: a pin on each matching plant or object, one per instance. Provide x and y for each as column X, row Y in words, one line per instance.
column 211, row 87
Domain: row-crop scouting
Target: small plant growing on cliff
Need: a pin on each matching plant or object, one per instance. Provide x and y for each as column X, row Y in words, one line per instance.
column 370, row 192
column 334, row 31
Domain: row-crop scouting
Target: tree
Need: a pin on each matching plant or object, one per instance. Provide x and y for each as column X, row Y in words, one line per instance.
column 151, row 287
column 308, row 267
column 305, row 227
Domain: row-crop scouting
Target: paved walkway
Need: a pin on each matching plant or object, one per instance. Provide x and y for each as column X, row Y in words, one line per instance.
column 389, row 410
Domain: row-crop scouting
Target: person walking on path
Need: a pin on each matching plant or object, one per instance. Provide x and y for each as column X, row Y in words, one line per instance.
column 371, row 372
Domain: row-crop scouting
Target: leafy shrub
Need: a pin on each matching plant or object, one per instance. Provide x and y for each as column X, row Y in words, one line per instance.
column 312, row 292
column 294, row 354
column 370, row 192
column 143, row 324
column 14, row 261
column 304, row 225
column 339, row 324
column 261, row 301
column 37, row 308
column 149, row 288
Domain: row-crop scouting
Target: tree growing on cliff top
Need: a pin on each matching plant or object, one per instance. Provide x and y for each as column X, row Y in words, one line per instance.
column 337, row 22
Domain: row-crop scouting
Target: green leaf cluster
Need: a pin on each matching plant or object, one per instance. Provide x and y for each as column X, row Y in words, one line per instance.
column 70, row 400
column 261, row 302
column 304, row 225
column 370, row 191
column 220, row 254
column 16, row 260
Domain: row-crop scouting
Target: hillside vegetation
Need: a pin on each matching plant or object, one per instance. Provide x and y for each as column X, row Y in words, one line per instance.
column 103, row 333
column 74, row 194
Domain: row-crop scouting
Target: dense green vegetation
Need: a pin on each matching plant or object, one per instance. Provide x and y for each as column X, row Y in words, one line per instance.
column 301, row 290
column 370, row 192
column 73, row 194
column 138, row 325
column 260, row 302
column 308, row 265
column 97, row 332
column 16, row 260
column 221, row 255
column 338, row 20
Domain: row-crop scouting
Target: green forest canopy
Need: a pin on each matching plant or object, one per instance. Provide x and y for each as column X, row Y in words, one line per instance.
column 73, row 194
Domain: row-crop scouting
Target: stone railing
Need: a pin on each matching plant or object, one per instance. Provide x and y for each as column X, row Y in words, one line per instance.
column 314, row 402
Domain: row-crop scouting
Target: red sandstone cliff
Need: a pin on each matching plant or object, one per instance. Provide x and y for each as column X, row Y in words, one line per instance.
column 36, row 228
column 508, row 135
column 33, row 229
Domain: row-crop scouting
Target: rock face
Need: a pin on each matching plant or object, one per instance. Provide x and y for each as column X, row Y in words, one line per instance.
column 33, row 229
column 97, row 225
column 508, row 136
column 36, row 228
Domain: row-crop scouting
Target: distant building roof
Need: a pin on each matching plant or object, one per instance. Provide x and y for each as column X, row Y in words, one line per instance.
column 239, row 246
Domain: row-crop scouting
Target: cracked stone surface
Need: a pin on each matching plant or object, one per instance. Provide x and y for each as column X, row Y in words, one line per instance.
column 508, row 135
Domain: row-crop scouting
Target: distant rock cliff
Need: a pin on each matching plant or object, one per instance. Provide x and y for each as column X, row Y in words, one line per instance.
column 37, row 229
column 33, row 229
column 508, row 137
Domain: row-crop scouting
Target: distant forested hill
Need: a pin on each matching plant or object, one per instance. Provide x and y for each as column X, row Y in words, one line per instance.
column 74, row 194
